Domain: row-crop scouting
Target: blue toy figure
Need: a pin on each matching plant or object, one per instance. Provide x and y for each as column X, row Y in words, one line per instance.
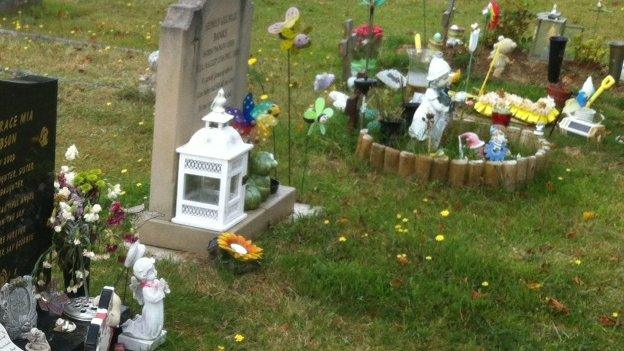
column 496, row 149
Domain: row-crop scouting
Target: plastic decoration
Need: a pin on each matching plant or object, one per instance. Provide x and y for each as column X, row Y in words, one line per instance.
column 372, row 3
column 290, row 32
column 323, row 81
column 492, row 14
column 255, row 120
column 318, row 116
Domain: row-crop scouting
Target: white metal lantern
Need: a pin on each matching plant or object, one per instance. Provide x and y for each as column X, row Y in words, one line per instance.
column 212, row 165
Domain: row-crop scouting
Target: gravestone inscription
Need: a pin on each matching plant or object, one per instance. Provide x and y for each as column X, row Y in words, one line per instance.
column 27, row 145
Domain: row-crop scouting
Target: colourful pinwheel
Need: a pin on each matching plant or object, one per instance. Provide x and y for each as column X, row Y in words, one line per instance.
column 318, row 116
column 293, row 37
column 492, row 13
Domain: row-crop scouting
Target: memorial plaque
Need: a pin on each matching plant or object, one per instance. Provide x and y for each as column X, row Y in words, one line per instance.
column 27, row 145
column 220, row 46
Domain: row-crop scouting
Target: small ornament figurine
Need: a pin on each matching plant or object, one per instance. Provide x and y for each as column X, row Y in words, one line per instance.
column 145, row 331
column 36, row 340
column 470, row 141
column 496, row 149
column 437, row 102
column 504, row 47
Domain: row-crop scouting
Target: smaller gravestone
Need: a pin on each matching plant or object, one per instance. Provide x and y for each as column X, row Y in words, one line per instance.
column 18, row 306
column 7, row 6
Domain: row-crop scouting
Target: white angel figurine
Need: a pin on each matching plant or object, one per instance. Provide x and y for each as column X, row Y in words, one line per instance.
column 436, row 102
column 149, row 291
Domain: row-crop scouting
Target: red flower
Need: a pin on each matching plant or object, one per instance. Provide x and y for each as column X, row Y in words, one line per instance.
column 111, row 249
column 130, row 238
column 363, row 31
column 117, row 214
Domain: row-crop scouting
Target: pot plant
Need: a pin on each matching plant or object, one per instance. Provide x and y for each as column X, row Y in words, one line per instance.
column 389, row 106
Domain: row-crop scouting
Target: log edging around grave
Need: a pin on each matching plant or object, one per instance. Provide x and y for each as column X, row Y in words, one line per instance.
column 510, row 175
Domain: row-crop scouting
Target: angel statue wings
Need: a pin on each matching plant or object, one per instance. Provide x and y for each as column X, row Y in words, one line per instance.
column 150, row 292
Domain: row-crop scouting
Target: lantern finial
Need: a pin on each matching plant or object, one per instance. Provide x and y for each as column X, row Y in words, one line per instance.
column 218, row 104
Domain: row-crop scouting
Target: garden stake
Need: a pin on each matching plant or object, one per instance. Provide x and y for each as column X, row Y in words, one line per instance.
column 289, row 121
column 371, row 17
column 424, row 7
column 487, row 77
column 305, row 164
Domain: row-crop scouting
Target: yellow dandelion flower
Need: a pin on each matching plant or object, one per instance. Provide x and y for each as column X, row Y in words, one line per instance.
column 439, row 238
column 139, row 185
column 264, row 97
column 109, row 103
column 425, row 200
column 485, row 283
column 342, row 239
column 124, row 171
column 615, row 314
column 568, row 170
column 252, row 61
column 445, row 213
column 577, row 262
column 589, row 215
column 326, row 221
column 428, row 258
column 405, row 220
column 239, row 338
column 399, row 216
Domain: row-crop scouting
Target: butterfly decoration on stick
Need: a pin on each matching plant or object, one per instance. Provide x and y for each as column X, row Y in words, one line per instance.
column 318, row 116
column 290, row 31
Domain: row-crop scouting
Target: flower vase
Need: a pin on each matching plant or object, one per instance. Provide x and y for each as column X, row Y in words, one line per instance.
column 502, row 119
column 68, row 274
column 390, row 130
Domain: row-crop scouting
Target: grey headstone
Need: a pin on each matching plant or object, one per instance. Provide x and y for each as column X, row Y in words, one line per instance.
column 204, row 46
column 7, row 6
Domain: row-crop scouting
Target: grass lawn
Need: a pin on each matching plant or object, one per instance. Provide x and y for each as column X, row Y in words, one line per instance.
column 486, row 286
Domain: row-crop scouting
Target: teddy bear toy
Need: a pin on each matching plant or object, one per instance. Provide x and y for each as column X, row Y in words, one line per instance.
column 505, row 47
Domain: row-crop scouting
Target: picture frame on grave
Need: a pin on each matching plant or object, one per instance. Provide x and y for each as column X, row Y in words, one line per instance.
column 18, row 306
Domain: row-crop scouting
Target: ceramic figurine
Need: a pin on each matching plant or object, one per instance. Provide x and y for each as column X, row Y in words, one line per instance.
column 36, row 340
column 505, row 46
column 436, row 102
column 472, row 142
column 150, row 292
column 496, row 149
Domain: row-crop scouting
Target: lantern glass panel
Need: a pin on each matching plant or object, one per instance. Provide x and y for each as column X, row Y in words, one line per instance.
column 234, row 186
column 201, row 189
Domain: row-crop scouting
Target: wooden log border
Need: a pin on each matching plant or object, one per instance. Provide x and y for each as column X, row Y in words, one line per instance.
column 511, row 176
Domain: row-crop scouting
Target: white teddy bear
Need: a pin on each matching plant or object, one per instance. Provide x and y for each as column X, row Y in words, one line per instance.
column 505, row 47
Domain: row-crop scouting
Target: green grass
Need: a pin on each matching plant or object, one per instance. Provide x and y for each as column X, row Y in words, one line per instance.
column 313, row 291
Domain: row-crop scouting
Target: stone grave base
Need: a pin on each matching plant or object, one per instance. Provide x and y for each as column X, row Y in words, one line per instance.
column 133, row 344
column 165, row 234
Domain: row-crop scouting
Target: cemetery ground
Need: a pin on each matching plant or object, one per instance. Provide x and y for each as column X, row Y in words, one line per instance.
column 484, row 269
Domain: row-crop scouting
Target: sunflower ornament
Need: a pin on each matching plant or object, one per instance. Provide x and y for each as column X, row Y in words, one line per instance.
column 238, row 247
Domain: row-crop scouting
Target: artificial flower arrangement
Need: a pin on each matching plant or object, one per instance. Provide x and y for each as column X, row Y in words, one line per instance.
column 366, row 43
column 89, row 223
column 543, row 111
column 368, row 38
column 235, row 252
